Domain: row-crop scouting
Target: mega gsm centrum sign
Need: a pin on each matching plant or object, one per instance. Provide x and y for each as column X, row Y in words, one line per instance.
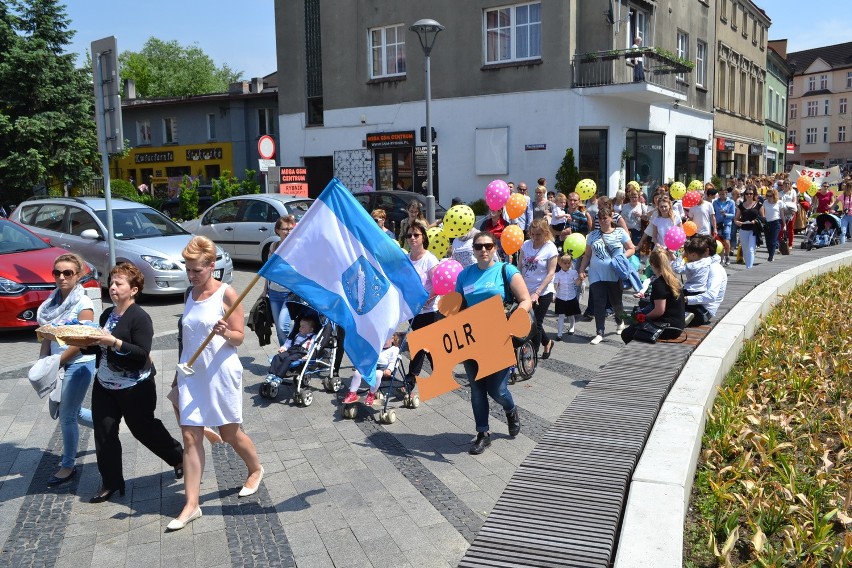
column 377, row 140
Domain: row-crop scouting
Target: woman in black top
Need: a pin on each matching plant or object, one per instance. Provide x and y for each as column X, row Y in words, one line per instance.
column 125, row 386
column 746, row 220
column 666, row 299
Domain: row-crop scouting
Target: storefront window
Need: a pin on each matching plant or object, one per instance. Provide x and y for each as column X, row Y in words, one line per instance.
column 689, row 159
column 646, row 159
column 393, row 169
column 593, row 162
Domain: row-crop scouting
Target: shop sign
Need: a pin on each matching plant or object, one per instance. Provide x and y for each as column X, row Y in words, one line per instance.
column 378, row 140
column 293, row 181
column 724, row 145
column 152, row 157
column 755, row 149
column 197, row 154
column 791, row 148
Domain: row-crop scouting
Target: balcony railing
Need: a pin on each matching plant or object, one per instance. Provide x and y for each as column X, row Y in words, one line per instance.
column 603, row 68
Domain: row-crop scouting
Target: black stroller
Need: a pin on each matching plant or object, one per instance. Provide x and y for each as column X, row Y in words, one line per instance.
column 318, row 362
column 822, row 231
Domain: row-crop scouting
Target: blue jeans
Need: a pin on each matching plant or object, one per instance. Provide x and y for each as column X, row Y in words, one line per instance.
column 75, row 384
column 773, row 229
column 845, row 227
column 495, row 385
column 280, row 314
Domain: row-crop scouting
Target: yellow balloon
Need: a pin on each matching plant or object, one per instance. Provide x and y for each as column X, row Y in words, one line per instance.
column 696, row 185
column 677, row 190
column 458, row 221
column 439, row 244
column 586, row 188
column 512, row 239
column 813, row 189
column 634, row 185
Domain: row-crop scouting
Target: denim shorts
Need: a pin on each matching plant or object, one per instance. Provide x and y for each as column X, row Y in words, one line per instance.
column 724, row 231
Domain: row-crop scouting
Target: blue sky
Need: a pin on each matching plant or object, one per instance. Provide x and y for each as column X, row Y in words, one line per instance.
column 242, row 33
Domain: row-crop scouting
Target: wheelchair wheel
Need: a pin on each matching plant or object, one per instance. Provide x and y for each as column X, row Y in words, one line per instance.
column 527, row 360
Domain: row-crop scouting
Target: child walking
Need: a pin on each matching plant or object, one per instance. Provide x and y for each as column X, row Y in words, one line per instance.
column 384, row 369
column 566, row 280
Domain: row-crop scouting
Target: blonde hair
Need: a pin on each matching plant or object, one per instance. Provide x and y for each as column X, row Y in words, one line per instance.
column 660, row 261
column 200, row 248
column 663, row 198
column 73, row 258
column 542, row 225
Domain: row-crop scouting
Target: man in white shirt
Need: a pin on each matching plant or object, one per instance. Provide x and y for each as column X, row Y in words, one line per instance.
column 704, row 217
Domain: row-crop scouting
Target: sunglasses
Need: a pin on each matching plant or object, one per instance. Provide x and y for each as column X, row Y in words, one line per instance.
column 65, row 273
column 413, row 235
column 480, row 246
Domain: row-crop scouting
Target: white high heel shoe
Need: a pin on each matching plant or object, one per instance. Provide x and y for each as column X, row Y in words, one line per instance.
column 177, row 524
column 248, row 491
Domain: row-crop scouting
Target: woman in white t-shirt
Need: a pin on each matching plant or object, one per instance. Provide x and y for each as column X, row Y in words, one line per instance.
column 424, row 263
column 661, row 220
column 69, row 303
column 538, row 265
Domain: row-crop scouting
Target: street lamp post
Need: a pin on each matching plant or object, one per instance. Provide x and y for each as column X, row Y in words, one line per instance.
column 427, row 31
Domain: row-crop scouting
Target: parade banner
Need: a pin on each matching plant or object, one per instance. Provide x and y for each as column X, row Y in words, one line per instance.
column 831, row 176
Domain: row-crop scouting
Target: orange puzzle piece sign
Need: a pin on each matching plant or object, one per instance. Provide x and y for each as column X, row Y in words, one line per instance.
column 481, row 333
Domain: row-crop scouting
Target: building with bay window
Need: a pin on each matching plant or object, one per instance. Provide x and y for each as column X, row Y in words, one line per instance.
column 513, row 86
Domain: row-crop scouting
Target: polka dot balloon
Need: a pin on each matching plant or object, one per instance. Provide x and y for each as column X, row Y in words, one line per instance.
column 516, row 205
column 691, row 199
column 512, row 239
column 696, row 185
column 575, row 245
column 496, row 194
column 458, row 221
column 445, row 276
column 675, row 237
column 586, row 188
column 439, row 244
column 677, row 190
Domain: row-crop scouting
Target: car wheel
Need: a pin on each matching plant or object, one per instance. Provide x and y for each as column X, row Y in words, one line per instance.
column 264, row 255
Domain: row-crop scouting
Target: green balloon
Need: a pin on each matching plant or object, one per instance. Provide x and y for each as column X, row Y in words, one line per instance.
column 575, row 245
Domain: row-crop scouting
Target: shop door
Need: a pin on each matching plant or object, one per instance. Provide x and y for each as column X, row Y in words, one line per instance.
column 394, row 166
column 320, row 172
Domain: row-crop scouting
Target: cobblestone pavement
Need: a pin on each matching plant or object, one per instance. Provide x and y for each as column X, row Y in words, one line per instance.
column 337, row 492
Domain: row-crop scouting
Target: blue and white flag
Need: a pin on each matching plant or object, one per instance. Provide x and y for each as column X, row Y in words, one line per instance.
column 340, row 262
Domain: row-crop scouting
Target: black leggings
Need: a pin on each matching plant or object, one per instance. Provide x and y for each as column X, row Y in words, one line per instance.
column 539, row 310
column 417, row 322
column 604, row 292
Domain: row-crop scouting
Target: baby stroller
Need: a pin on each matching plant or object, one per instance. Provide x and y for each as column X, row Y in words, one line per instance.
column 822, row 231
column 318, row 362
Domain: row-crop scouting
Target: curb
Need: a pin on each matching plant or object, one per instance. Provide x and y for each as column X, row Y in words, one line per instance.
column 652, row 524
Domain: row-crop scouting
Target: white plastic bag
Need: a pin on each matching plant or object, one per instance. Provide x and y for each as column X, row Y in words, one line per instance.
column 43, row 374
column 56, row 395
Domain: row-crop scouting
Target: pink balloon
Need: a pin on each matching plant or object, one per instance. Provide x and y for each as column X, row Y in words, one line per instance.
column 675, row 237
column 445, row 276
column 496, row 194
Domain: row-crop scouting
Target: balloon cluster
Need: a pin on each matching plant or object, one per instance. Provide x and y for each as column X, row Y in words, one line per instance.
column 691, row 199
column 677, row 190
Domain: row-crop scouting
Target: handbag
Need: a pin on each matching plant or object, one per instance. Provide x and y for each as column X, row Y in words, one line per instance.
column 649, row 332
column 783, row 247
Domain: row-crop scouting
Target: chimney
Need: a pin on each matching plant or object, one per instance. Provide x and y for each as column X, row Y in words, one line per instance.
column 239, row 88
column 256, row 84
column 129, row 90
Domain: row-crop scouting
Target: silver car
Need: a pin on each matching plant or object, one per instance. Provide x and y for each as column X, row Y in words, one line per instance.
column 244, row 226
column 143, row 236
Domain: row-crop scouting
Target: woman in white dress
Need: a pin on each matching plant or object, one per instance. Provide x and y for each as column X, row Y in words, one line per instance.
column 212, row 395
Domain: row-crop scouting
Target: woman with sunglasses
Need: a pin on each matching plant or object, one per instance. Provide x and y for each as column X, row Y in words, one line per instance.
column 746, row 221
column 424, row 263
column 415, row 213
column 477, row 283
column 69, row 303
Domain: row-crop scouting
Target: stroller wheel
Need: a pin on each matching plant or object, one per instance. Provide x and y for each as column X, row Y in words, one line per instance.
column 328, row 385
column 307, row 398
column 415, row 401
column 350, row 411
column 264, row 390
column 272, row 391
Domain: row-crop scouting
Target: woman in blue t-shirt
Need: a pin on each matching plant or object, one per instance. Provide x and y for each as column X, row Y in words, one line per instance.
column 477, row 283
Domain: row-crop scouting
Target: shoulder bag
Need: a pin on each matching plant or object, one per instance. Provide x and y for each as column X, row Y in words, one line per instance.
column 649, row 332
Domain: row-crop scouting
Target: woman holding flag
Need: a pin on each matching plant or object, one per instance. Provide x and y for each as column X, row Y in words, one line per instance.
column 477, row 283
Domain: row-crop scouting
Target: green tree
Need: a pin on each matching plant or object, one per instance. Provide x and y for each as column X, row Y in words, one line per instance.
column 188, row 198
column 168, row 69
column 567, row 175
column 47, row 132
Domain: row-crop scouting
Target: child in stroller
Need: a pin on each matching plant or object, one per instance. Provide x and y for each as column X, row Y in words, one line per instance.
column 384, row 370
column 295, row 349
column 822, row 231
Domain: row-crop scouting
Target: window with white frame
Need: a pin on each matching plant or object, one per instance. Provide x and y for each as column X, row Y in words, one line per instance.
column 266, row 121
column 810, row 136
column 779, row 109
column 682, row 51
column 792, row 137
column 638, row 22
column 513, row 33
column 841, row 134
column 812, row 83
column 745, row 21
column 211, row 126
column 143, row 132
column 823, row 81
column 812, row 108
column 701, row 64
column 754, row 30
column 825, row 134
column 743, row 93
column 387, row 51
column 842, row 109
column 825, row 107
column 794, row 110
column 170, row 130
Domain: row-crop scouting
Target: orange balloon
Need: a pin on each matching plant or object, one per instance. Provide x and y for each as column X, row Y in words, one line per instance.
column 690, row 228
column 803, row 183
column 516, row 205
column 512, row 239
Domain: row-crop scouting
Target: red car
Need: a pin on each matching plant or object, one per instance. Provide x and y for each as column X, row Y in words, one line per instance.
column 26, row 279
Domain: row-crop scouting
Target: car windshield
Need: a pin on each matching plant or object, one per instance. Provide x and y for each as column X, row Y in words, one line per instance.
column 140, row 224
column 17, row 239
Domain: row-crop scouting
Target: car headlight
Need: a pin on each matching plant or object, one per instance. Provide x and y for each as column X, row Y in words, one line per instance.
column 226, row 257
column 160, row 263
column 10, row 287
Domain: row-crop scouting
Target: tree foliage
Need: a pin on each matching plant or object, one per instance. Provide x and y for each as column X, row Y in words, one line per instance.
column 567, row 175
column 168, row 69
column 47, row 131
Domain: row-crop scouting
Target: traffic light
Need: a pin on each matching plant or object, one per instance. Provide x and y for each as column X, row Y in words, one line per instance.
column 423, row 134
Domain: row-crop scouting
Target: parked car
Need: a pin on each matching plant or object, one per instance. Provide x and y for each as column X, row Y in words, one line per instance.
column 395, row 203
column 26, row 275
column 244, row 226
column 143, row 236
column 171, row 207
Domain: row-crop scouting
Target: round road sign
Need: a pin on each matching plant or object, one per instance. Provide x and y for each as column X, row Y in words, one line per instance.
column 266, row 147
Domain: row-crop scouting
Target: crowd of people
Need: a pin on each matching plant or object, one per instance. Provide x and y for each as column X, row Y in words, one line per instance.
column 208, row 402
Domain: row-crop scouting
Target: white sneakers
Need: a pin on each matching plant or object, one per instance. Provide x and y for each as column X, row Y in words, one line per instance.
column 177, row 524
column 248, row 491
column 596, row 339
column 621, row 327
